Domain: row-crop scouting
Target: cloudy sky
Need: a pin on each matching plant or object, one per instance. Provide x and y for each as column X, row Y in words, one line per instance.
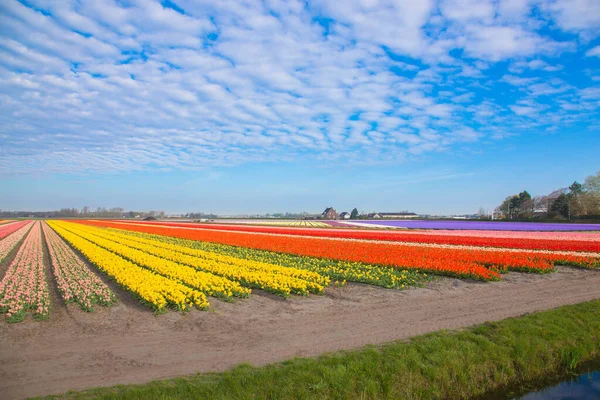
column 248, row 106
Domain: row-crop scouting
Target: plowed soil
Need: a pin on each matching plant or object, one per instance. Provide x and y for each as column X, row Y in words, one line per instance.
column 129, row 344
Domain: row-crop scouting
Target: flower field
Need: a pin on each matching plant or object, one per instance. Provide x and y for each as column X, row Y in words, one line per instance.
column 276, row 222
column 10, row 240
column 74, row 280
column 337, row 270
column 7, row 229
column 580, row 242
column 222, row 275
column 182, row 265
column 24, row 286
column 477, row 263
column 476, row 225
column 152, row 289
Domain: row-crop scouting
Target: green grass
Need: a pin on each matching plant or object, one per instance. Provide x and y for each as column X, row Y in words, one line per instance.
column 442, row 365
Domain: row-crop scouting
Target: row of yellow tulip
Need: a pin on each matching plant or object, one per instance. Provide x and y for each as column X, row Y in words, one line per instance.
column 115, row 234
column 209, row 284
column 247, row 272
column 155, row 290
column 335, row 270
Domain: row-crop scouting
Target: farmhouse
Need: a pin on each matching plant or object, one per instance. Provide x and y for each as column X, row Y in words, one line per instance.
column 329, row 213
column 344, row 215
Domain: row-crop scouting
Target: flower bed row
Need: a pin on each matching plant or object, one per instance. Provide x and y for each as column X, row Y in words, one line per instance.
column 207, row 283
column 338, row 271
column 24, row 286
column 6, row 230
column 208, row 274
column 75, row 282
column 152, row 289
column 529, row 243
column 8, row 244
column 475, row 263
column 122, row 236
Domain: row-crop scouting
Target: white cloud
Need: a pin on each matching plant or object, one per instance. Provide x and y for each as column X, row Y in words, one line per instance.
column 500, row 42
column 576, row 15
column 396, row 24
column 113, row 86
column 468, row 10
column 593, row 52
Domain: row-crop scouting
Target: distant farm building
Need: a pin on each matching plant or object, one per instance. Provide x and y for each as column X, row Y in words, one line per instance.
column 344, row 215
column 395, row 215
column 329, row 213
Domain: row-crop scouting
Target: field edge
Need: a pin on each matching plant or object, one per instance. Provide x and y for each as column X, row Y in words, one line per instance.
column 445, row 364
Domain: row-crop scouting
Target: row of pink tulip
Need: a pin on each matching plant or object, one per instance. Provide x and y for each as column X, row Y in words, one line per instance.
column 76, row 283
column 8, row 243
column 24, row 287
column 7, row 229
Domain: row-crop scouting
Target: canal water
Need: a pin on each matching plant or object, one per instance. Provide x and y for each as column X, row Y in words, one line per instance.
column 581, row 384
column 580, row 387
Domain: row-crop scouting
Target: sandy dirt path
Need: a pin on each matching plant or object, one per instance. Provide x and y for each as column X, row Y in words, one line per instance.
column 128, row 344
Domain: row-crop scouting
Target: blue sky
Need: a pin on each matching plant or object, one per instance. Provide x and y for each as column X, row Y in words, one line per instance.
column 249, row 106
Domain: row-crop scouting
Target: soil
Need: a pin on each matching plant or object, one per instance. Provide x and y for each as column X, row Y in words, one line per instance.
column 127, row 343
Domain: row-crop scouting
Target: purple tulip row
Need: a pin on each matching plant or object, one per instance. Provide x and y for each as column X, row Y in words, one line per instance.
column 481, row 225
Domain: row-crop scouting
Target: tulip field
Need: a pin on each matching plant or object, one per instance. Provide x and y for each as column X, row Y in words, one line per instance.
column 180, row 266
column 279, row 222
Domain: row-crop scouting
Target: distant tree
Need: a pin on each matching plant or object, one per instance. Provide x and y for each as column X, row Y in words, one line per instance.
column 592, row 183
column 354, row 214
column 539, row 204
column 483, row 213
column 524, row 205
column 590, row 198
column 561, row 205
column 517, row 206
column 576, row 188
column 574, row 195
column 504, row 208
column 590, row 203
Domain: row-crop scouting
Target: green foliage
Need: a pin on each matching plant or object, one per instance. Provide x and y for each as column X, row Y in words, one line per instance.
column 441, row 365
column 516, row 205
column 592, row 183
column 576, row 188
column 354, row 214
column 561, row 205
column 578, row 201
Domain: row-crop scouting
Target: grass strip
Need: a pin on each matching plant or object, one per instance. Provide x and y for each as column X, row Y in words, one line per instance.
column 442, row 365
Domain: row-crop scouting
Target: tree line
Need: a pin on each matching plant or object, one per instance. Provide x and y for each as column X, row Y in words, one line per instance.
column 578, row 201
column 85, row 212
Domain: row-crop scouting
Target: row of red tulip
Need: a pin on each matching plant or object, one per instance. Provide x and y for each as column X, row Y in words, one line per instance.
column 587, row 243
column 480, row 263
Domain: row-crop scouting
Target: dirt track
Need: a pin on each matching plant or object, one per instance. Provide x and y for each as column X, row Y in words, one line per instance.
column 128, row 344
